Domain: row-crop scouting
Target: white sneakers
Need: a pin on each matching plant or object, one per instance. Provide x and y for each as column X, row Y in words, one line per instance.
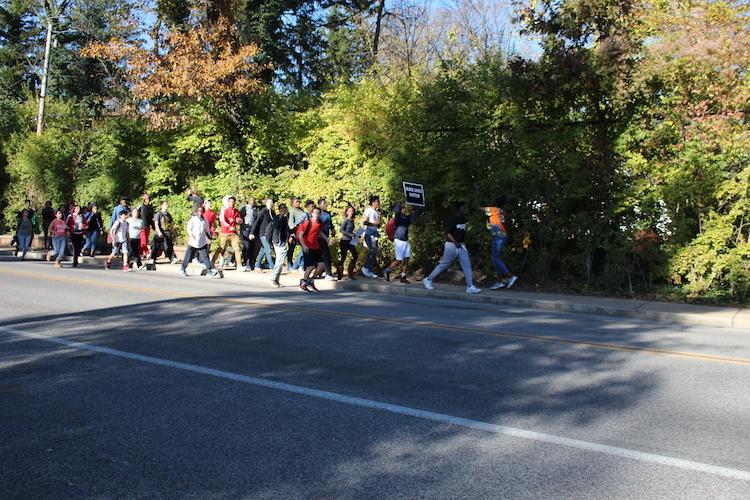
column 427, row 283
column 368, row 273
column 498, row 285
column 512, row 281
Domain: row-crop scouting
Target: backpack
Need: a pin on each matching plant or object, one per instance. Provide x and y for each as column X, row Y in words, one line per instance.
column 390, row 228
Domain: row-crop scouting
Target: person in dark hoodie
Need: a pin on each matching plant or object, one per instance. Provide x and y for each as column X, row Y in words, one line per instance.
column 278, row 234
column 401, row 242
column 265, row 217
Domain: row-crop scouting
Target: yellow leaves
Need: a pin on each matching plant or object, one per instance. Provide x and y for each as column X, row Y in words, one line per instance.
column 204, row 62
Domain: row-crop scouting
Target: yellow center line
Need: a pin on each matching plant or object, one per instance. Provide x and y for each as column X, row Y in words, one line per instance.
column 399, row 322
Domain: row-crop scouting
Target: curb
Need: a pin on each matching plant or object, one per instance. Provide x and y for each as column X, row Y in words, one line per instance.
column 728, row 318
column 723, row 317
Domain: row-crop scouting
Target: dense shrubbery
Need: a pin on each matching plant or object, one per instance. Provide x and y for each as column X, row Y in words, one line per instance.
column 627, row 164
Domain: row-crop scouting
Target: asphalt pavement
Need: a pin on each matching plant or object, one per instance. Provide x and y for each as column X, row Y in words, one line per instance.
column 150, row 385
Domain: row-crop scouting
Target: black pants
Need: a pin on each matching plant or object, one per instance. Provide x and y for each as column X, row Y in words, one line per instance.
column 202, row 257
column 47, row 239
column 290, row 252
column 159, row 244
column 134, row 245
column 344, row 247
column 326, row 252
column 250, row 248
column 77, row 240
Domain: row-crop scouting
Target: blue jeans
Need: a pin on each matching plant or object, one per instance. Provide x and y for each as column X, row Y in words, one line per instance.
column 24, row 242
column 497, row 249
column 58, row 247
column 91, row 238
column 372, row 245
column 264, row 251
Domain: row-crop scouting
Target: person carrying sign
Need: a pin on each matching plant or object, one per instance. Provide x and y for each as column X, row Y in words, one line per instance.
column 401, row 244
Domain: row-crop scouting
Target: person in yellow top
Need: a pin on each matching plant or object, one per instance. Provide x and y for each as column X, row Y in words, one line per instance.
column 496, row 224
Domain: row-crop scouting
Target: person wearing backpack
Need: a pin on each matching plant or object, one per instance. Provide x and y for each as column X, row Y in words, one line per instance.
column 397, row 231
column 455, row 248
column 496, row 224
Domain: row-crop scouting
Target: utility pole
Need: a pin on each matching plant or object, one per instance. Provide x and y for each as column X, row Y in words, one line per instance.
column 45, row 72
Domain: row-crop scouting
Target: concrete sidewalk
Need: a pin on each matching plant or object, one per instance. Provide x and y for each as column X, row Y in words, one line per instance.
column 686, row 314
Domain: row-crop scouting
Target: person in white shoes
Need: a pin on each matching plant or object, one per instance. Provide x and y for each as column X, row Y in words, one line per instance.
column 371, row 235
column 496, row 224
column 199, row 236
column 455, row 248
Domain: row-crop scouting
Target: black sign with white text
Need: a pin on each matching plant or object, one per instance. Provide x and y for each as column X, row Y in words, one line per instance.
column 414, row 194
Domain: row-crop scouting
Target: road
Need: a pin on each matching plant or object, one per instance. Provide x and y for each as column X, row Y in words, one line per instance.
column 149, row 385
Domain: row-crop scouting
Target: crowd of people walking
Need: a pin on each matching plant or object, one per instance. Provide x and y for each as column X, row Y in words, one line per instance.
column 253, row 237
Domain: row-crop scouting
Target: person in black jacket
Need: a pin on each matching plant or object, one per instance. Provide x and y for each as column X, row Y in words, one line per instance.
column 265, row 217
column 94, row 227
column 250, row 244
column 277, row 232
column 146, row 212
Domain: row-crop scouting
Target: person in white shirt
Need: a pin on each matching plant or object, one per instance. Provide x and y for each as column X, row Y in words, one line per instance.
column 135, row 228
column 199, row 235
column 118, row 233
column 371, row 222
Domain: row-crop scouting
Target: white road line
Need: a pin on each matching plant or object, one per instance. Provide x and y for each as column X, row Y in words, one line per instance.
column 401, row 410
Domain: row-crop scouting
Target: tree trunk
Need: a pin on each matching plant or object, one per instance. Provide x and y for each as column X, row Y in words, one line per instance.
column 378, row 22
column 45, row 73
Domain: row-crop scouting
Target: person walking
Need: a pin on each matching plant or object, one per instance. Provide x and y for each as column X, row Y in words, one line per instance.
column 250, row 245
column 496, row 225
column 136, row 227
column 77, row 226
column 455, row 248
column 119, row 235
column 24, row 232
column 229, row 220
column 194, row 197
column 296, row 217
column 258, row 230
column 163, row 238
column 122, row 204
column 146, row 213
column 329, row 231
column 278, row 234
column 48, row 215
column 312, row 238
column 401, row 243
column 372, row 222
column 348, row 244
column 199, row 236
column 58, row 229
column 94, row 227
column 299, row 263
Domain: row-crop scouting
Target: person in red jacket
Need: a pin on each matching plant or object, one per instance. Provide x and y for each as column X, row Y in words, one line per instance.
column 229, row 221
column 311, row 237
